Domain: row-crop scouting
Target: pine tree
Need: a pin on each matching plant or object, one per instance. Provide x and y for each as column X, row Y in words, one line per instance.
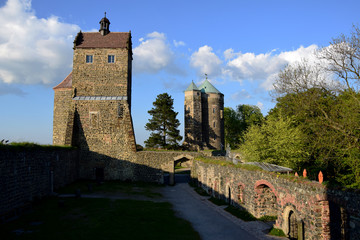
column 163, row 124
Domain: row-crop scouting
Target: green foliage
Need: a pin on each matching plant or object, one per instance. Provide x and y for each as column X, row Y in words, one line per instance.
column 326, row 110
column 267, row 218
column 163, row 124
column 277, row 141
column 232, row 127
column 277, row 232
column 237, row 122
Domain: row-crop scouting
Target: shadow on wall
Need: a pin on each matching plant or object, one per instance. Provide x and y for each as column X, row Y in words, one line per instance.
column 194, row 134
column 343, row 210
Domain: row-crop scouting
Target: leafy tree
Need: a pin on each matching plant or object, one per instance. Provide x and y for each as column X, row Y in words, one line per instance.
column 276, row 141
column 232, row 127
column 237, row 122
column 163, row 124
column 249, row 115
column 324, row 102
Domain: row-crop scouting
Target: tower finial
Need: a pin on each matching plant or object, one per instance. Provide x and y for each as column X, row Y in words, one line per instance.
column 104, row 25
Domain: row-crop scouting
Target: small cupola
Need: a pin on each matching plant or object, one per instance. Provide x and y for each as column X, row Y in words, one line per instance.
column 104, row 25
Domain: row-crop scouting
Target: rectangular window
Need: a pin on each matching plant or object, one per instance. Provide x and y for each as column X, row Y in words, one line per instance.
column 89, row 58
column 111, row 58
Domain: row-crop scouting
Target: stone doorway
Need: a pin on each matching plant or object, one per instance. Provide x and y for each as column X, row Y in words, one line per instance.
column 183, row 160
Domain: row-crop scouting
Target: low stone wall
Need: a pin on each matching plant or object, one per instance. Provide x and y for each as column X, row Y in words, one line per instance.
column 263, row 193
column 29, row 174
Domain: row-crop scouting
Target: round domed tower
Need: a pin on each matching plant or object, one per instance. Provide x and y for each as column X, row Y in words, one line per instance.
column 212, row 116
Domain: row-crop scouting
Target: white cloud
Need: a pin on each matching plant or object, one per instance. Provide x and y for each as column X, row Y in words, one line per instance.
column 205, row 61
column 262, row 67
column 153, row 54
column 240, row 95
column 33, row 50
column 178, row 43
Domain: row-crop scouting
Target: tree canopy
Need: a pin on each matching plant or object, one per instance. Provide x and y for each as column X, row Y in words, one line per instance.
column 316, row 121
column 238, row 121
column 163, row 124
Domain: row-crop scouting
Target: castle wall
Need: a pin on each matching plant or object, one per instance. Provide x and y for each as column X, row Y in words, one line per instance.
column 105, row 137
column 262, row 193
column 63, row 117
column 29, row 174
column 323, row 213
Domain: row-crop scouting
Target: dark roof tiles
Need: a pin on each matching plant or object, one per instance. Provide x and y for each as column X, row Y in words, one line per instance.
column 96, row 40
column 66, row 83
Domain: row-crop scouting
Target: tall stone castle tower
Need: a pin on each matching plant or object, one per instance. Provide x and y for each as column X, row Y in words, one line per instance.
column 92, row 105
column 204, row 117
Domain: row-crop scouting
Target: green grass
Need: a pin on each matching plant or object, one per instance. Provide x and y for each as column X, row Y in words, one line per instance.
column 135, row 188
column 99, row 219
column 31, row 146
column 268, row 218
column 217, row 201
column 227, row 163
column 277, row 232
column 242, row 214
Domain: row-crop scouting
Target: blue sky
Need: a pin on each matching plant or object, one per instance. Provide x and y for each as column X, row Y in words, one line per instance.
column 241, row 45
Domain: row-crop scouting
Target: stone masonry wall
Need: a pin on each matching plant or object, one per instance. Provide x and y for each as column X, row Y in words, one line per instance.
column 32, row 173
column 101, row 78
column 256, row 190
column 63, row 117
column 104, row 138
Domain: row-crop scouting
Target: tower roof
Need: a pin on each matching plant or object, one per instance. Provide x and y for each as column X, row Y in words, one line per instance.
column 96, row 40
column 192, row 87
column 207, row 87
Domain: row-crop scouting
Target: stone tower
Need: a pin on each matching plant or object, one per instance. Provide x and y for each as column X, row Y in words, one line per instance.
column 204, row 121
column 92, row 106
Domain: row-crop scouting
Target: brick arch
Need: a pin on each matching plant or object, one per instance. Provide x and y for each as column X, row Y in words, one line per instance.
column 264, row 182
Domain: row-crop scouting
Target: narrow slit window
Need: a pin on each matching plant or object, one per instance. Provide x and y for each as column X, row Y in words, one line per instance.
column 111, row 58
column 89, row 58
column 120, row 110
